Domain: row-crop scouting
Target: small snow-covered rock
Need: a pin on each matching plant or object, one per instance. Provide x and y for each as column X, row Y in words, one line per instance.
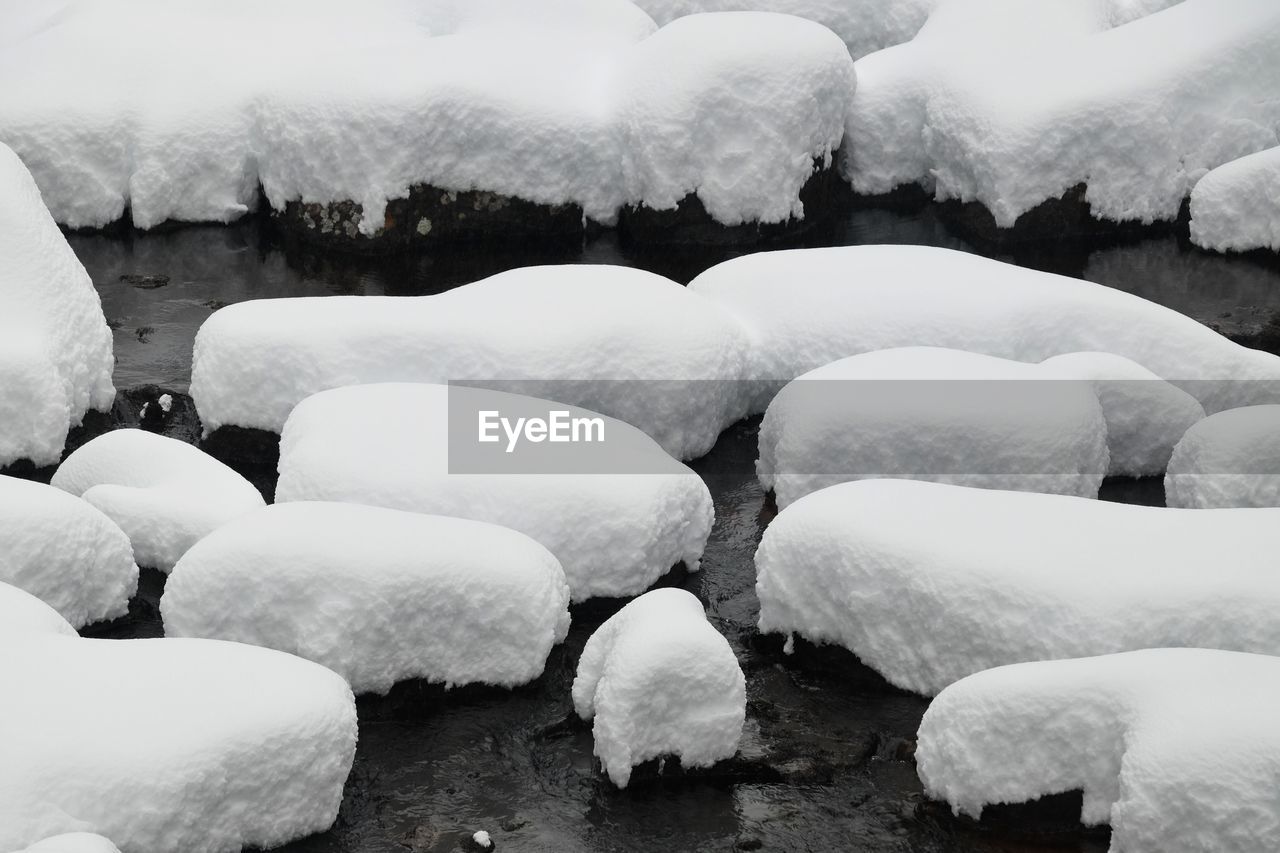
column 377, row 595
column 65, row 552
column 164, row 494
column 804, row 308
column 1236, row 207
column 1175, row 748
column 22, row 613
column 73, row 842
column 166, row 745
column 933, row 414
column 1231, row 459
column 928, row 583
column 659, row 680
column 614, row 531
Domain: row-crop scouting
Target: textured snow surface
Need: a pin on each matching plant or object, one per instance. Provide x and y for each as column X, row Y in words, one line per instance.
column 388, row 445
column 165, row 745
column 21, row 612
column 1236, row 207
column 73, row 842
column 361, row 101
column 659, row 680
column 1176, row 748
column 164, row 494
column 377, row 595
column 805, row 308
column 65, row 552
column 55, row 347
column 1231, row 459
column 589, row 332
column 928, row 583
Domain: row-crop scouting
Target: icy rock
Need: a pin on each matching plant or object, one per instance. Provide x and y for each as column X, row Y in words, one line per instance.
column 1231, row 459
column 928, row 583
column 624, row 342
column 659, row 680
column 933, row 414
column 165, row 745
column 615, row 532
column 1172, row 747
column 164, row 494
column 23, row 613
column 377, row 595
column 65, row 552
column 73, row 842
column 55, row 347
column 1236, row 207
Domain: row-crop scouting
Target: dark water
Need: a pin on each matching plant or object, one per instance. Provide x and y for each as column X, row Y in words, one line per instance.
column 826, row 757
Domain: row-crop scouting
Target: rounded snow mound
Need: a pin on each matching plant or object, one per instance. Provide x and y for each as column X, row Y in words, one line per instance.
column 1231, row 459
column 73, row 842
column 164, row 494
column 1236, row 207
column 376, row 595
column 659, row 680
column 23, row 613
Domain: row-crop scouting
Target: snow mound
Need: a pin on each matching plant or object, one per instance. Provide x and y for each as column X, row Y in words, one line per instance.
column 659, row 680
column 21, row 613
column 55, row 347
column 1173, row 747
column 620, row 341
column 65, row 552
column 928, row 583
column 190, row 745
column 615, row 532
column 164, row 493
column 1236, row 207
column 1139, row 113
column 73, row 842
column 804, row 308
column 933, row 414
column 376, row 595
column 1231, row 459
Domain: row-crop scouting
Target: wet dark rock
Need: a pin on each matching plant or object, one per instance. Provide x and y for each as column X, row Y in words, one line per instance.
column 746, row 844
column 1049, row 823
column 422, row 837
column 143, row 619
column 252, row 453
column 1266, row 338
column 471, row 845
column 145, row 282
column 669, row 771
column 825, row 660
column 891, row 748
column 1144, row 491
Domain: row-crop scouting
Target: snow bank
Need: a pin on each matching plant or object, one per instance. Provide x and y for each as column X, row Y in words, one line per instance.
column 1236, row 207
column 1139, row 113
column 164, row 745
column 808, row 307
column 928, row 583
column 376, row 595
column 21, row 612
column 614, row 531
column 55, row 347
column 1231, row 459
column 933, row 414
column 659, row 680
column 65, row 552
column 164, row 493
column 1175, row 748
column 73, row 842
column 586, row 335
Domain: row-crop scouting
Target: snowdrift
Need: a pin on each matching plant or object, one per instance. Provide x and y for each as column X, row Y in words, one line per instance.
column 1236, row 207
column 1231, row 459
column 23, row 613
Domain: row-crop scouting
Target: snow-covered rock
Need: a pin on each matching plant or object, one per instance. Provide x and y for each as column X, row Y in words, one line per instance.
column 377, row 595
column 73, row 842
column 620, row 341
column 1231, row 459
column 928, row 583
column 615, row 531
column 1175, row 748
column 808, row 307
column 1236, row 207
column 65, row 552
column 55, row 347
column 166, row 745
column 658, row 679
column 164, row 494
column 933, row 414
column 23, row 613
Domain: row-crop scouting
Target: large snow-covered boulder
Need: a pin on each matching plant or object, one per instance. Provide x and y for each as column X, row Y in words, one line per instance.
column 1236, row 207
column 933, row 414
column 65, row 552
column 1175, row 748
column 55, row 347
column 805, row 308
column 23, row 613
column 165, row 745
column 616, row 526
column 658, row 680
column 928, row 583
column 377, row 595
column 73, row 842
column 624, row 342
column 164, row 494
column 1231, row 459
